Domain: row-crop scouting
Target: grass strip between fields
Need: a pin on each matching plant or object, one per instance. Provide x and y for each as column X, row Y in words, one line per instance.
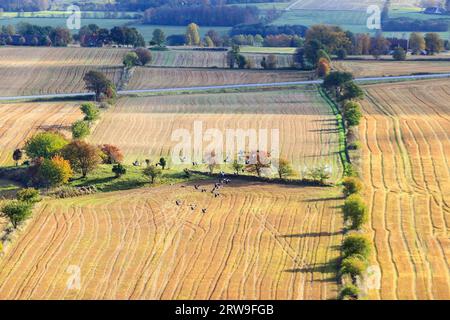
column 343, row 151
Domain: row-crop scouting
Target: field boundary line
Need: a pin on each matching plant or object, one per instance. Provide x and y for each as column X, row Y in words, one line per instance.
column 343, row 151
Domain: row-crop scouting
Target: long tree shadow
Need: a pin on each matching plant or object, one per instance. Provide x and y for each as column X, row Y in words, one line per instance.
column 312, row 234
column 329, row 267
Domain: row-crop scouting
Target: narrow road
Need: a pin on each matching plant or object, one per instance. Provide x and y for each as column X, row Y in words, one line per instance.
column 227, row 86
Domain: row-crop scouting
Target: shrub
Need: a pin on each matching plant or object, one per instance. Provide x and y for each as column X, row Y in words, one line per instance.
column 319, row 174
column 284, row 168
column 354, row 265
column 355, row 211
column 80, row 129
column 144, row 55
column 16, row 211
column 356, row 145
column 152, row 172
column 399, row 54
column 162, row 163
column 90, row 110
column 187, row 173
column 45, row 145
column 349, row 291
column 111, row 154
column 352, row 185
column 17, row 156
column 323, row 67
column 237, row 166
column 131, row 59
column 119, row 170
column 55, row 171
column 351, row 90
column 30, row 195
column 352, row 113
column 356, row 244
column 341, row 54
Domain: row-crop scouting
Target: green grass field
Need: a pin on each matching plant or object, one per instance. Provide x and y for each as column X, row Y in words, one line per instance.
column 354, row 21
column 267, row 50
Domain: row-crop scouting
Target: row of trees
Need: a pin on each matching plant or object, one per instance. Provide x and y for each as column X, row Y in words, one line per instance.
column 355, row 247
column 88, row 36
column 32, row 35
column 24, row 5
column 93, row 36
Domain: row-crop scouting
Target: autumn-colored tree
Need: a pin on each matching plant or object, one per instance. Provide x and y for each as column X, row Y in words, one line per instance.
column 192, row 35
column 45, row 144
column 83, row 157
column 257, row 161
column 111, row 154
column 55, row 171
column 284, row 168
column 416, row 42
column 323, row 67
column 433, row 43
column 144, row 56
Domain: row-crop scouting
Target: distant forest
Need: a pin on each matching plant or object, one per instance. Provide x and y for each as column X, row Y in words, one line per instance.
column 203, row 15
column 119, row 5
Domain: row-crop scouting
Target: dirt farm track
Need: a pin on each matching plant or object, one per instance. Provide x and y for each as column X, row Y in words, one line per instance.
column 255, row 242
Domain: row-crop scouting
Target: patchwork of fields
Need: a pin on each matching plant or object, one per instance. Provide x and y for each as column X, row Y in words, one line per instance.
column 142, row 126
column 405, row 164
column 19, row 121
column 375, row 68
column 256, row 241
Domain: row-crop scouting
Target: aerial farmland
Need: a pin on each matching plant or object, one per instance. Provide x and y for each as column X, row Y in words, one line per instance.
column 245, row 154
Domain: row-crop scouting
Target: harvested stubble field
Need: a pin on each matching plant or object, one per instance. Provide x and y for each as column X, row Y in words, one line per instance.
column 144, row 78
column 142, row 126
column 256, row 241
column 208, row 59
column 383, row 68
column 406, row 154
column 28, row 71
column 19, row 121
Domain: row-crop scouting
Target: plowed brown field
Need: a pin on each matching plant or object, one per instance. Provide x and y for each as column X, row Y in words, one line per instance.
column 406, row 154
column 374, row 68
column 28, row 71
column 18, row 121
column 142, row 126
column 145, row 78
column 256, row 241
